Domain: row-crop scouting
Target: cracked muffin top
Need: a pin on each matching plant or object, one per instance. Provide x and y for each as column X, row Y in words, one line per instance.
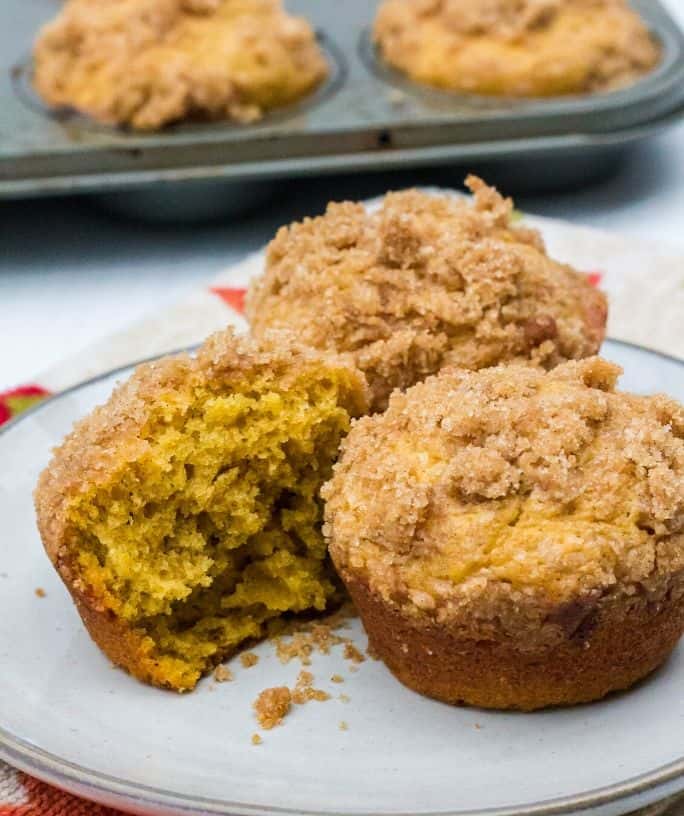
column 149, row 63
column 505, row 497
column 423, row 282
column 516, row 47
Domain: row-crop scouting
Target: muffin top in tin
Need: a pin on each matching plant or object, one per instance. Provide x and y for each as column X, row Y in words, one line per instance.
column 536, row 48
column 149, row 63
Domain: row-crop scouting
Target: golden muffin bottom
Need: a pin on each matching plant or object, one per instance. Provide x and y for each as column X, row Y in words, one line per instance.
column 149, row 63
column 184, row 516
column 518, row 48
column 602, row 652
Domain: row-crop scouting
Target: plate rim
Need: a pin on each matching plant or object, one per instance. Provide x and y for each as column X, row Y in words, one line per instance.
column 70, row 776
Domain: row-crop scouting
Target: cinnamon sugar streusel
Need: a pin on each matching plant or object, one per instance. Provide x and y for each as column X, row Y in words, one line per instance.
column 516, row 47
column 147, row 63
column 426, row 282
column 489, row 500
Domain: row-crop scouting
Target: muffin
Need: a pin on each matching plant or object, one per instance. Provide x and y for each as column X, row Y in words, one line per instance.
column 516, row 47
column 184, row 516
column 148, row 63
column 424, row 282
column 514, row 538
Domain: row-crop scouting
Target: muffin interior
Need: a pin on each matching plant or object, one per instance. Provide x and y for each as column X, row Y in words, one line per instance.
column 209, row 528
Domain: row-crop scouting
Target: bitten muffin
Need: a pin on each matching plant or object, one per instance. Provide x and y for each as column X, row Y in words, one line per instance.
column 184, row 516
column 423, row 282
column 516, row 47
column 149, row 63
column 514, row 538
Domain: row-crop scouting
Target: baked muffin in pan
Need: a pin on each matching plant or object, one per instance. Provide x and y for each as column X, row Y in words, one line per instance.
column 145, row 64
column 516, row 48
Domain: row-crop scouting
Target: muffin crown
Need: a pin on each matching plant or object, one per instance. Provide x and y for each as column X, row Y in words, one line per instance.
column 511, row 481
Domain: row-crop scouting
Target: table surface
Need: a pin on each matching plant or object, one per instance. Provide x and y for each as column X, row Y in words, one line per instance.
column 71, row 272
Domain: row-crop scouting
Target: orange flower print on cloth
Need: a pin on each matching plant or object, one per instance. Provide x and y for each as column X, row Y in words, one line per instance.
column 235, row 298
column 16, row 400
column 20, row 795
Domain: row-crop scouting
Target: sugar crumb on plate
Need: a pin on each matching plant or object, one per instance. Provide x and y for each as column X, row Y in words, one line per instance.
column 272, row 705
column 222, row 674
column 249, row 659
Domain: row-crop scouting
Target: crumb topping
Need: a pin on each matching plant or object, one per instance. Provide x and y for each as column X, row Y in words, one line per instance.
column 272, row 705
column 423, row 283
column 508, row 485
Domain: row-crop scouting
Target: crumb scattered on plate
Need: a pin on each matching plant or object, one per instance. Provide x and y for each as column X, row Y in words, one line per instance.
column 40, row 592
column 304, row 690
column 222, row 674
column 343, row 726
column 272, row 705
column 256, row 739
column 302, row 639
column 249, row 659
column 337, row 678
column 352, row 653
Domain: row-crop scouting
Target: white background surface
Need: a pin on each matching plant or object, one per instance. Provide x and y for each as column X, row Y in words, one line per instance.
column 71, row 272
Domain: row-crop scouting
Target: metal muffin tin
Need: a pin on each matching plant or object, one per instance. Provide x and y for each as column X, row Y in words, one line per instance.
column 366, row 116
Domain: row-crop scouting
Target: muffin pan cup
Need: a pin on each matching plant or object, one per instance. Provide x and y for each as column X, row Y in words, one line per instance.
column 366, row 116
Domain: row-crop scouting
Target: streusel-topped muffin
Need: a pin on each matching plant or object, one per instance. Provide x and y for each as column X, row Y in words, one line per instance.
column 516, row 47
column 514, row 538
column 149, row 63
column 426, row 281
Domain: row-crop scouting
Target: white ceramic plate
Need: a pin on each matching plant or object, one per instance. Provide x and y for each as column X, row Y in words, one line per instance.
column 67, row 717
